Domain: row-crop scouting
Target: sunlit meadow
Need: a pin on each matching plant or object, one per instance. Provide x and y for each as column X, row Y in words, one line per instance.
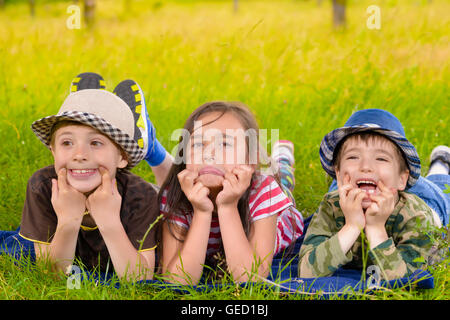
column 283, row 59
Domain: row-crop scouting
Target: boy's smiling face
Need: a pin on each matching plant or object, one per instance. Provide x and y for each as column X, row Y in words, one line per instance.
column 370, row 161
column 82, row 150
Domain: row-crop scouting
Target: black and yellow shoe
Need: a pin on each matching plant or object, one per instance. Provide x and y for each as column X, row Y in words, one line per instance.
column 87, row 80
column 131, row 93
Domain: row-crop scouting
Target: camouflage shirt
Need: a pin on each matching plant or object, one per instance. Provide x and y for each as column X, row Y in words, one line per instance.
column 398, row 256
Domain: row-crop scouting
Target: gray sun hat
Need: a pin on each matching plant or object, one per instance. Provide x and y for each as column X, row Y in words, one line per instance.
column 101, row 110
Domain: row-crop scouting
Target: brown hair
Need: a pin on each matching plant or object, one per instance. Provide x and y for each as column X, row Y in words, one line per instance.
column 366, row 137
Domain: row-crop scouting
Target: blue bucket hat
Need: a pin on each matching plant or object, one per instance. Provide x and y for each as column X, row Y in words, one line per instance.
column 374, row 120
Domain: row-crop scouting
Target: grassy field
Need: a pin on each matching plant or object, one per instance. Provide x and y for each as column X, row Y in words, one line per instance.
column 282, row 58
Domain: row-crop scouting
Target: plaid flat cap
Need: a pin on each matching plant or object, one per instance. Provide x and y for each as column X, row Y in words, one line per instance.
column 374, row 120
column 101, row 110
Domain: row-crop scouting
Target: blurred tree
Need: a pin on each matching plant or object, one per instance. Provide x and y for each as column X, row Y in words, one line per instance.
column 89, row 12
column 339, row 18
column 32, row 7
column 235, row 5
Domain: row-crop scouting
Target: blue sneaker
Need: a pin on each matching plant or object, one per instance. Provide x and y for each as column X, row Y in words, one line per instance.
column 87, row 80
column 144, row 133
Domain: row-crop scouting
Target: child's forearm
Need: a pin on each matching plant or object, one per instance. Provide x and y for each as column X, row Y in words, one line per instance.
column 128, row 262
column 186, row 266
column 61, row 251
column 376, row 235
column 320, row 256
column 242, row 260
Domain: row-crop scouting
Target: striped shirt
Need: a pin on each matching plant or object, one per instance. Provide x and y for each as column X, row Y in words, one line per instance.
column 266, row 199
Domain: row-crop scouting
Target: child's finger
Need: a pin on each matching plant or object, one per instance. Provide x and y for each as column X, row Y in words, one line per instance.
column 231, row 178
column 376, row 198
column 344, row 190
column 372, row 209
column 54, row 189
column 346, row 178
column 226, row 184
column 186, row 176
column 106, row 179
column 354, row 193
column 114, row 187
column 360, row 196
column 62, row 179
column 384, row 189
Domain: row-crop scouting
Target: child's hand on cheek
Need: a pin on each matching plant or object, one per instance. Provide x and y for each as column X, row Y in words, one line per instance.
column 195, row 192
column 350, row 200
column 382, row 206
column 69, row 204
column 105, row 202
column 235, row 184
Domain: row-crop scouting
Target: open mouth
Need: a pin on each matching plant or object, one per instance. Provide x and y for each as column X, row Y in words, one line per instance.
column 368, row 186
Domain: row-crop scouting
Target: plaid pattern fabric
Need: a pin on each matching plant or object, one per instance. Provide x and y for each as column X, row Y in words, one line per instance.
column 332, row 139
column 43, row 127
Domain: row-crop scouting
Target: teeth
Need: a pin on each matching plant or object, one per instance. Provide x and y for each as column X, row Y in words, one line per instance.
column 366, row 182
column 82, row 170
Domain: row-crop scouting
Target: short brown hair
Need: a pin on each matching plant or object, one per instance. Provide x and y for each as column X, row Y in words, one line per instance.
column 368, row 136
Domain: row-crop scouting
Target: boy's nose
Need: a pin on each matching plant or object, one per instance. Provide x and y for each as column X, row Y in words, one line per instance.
column 80, row 153
column 365, row 165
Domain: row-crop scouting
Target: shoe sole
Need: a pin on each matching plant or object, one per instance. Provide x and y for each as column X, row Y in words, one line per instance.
column 441, row 153
column 87, row 80
column 132, row 94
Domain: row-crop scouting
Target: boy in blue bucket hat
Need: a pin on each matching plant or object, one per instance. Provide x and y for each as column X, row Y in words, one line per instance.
column 375, row 169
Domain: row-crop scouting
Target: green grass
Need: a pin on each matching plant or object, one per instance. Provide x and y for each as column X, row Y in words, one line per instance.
column 283, row 60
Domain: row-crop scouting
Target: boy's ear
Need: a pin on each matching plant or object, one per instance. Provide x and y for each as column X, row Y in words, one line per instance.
column 123, row 162
column 336, row 171
column 403, row 180
column 53, row 151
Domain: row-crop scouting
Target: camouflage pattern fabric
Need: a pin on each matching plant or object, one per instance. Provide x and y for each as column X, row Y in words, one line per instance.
column 406, row 250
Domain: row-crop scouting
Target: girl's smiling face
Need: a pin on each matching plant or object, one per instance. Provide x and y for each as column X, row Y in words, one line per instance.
column 370, row 161
column 217, row 145
column 82, row 150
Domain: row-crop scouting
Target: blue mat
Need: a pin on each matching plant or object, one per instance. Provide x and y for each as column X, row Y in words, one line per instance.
column 283, row 276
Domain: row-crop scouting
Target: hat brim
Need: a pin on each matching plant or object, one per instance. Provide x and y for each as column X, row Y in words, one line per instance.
column 42, row 128
column 334, row 138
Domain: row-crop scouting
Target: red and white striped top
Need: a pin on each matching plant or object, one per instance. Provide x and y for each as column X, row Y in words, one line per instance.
column 266, row 199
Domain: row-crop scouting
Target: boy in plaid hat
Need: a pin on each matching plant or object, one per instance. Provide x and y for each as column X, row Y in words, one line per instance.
column 373, row 163
column 87, row 206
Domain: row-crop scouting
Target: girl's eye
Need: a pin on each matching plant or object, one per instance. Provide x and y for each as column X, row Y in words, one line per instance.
column 197, row 144
column 352, row 157
column 382, row 159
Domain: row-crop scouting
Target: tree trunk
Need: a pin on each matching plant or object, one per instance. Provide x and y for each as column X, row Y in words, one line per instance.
column 339, row 19
column 235, row 5
column 32, row 7
column 89, row 12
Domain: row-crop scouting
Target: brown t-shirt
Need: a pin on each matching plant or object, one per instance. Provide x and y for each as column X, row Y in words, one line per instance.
column 138, row 211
